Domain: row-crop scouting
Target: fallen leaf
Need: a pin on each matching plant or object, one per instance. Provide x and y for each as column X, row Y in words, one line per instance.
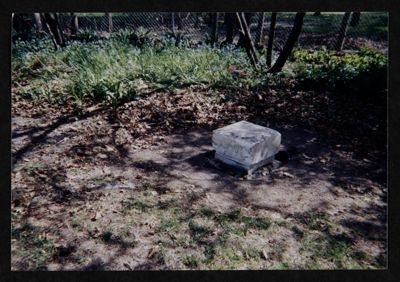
column 153, row 252
column 288, row 174
column 264, row 254
column 95, row 216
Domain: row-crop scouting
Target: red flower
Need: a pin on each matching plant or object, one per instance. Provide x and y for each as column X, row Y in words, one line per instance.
column 232, row 68
column 241, row 73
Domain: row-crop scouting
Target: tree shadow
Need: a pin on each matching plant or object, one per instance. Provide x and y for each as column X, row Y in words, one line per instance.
column 40, row 138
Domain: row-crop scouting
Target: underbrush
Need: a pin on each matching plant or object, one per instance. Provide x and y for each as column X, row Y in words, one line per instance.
column 116, row 71
column 326, row 68
column 130, row 64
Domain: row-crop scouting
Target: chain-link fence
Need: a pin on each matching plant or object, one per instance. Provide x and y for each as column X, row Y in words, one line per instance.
column 365, row 28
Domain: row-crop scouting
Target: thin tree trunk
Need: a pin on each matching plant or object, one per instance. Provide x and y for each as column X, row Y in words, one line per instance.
column 251, row 50
column 53, row 26
column 344, row 25
column 22, row 26
column 271, row 39
column 74, row 23
column 229, row 19
column 290, row 42
column 214, row 31
column 110, row 22
column 260, row 28
column 242, row 38
column 38, row 22
column 355, row 18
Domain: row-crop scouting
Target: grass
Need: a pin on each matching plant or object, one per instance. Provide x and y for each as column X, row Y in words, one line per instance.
column 35, row 248
column 254, row 253
column 199, row 231
column 136, row 204
column 114, row 70
column 106, row 235
column 191, row 261
column 169, row 225
column 372, row 24
column 118, row 70
column 213, row 239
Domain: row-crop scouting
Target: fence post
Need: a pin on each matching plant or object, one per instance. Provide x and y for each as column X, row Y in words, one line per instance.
column 355, row 18
column 271, row 39
column 214, row 32
column 173, row 23
column 74, row 23
column 342, row 31
column 260, row 28
column 38, row 22
column 110, row 22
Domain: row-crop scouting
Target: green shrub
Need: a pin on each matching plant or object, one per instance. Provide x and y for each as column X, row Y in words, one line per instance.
column 329, row 68
column 114, row 70
column 138, row 37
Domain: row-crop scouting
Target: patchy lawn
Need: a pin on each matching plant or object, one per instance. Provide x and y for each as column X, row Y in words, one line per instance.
column 132, row 187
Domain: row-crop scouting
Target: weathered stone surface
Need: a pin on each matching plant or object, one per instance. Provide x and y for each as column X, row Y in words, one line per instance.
column 246, row 145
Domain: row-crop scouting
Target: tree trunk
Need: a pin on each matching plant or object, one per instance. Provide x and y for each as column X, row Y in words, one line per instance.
column 242, row 42
column 110, row 22
column 260, row 28
column 344, row 25
column 53, row 26
column 271, row 39
column 22, row 24
column 38, row 22
column 291, row 41
column 214, row 30
column 248, row 42
column 355, row 18
column 229, row 20
column 74, row 23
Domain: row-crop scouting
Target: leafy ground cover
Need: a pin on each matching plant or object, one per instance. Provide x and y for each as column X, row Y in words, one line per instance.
column 112, row 163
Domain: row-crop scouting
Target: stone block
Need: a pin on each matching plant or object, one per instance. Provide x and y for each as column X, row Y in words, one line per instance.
column 246, row 145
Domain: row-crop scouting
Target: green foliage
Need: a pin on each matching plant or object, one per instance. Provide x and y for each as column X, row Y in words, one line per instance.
column 87, row 35
column 335, row 248
column 135, row 204
column 332, row 69
column 139, row 37
column 191, row 261
column 129, row 64
column 106, row 235
column 35, row 248
column 209, row 253
column 245, row 222
column 116, row 70
column 198, row 231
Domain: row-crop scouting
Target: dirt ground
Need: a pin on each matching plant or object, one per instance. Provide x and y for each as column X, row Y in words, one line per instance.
column 102, row 192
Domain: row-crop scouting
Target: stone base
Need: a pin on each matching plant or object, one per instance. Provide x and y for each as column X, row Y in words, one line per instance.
column 248, row 168
column 246, row 145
